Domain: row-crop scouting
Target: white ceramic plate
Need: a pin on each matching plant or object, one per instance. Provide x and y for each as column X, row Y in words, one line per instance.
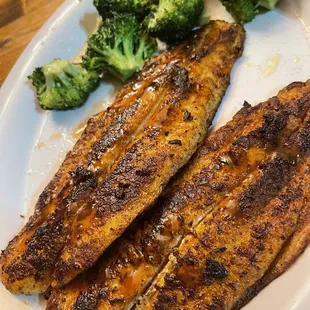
column 33, row 142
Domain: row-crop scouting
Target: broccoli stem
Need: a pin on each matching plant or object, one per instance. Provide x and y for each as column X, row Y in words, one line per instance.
column 121, row 58
column 50, row 81
column 63, row 78
column 140, row 50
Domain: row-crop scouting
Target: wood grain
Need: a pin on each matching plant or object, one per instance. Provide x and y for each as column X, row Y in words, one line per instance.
column 19, row 22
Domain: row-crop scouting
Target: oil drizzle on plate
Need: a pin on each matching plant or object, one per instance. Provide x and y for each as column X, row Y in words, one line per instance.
column 273, row 64
column 90, row 23
column 76, row 133
column 40, row 145
column 96, row 108
column 55, row 136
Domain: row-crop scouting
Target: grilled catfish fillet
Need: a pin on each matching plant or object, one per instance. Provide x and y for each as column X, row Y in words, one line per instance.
column 287, row 256
column 123, row 160
column 228, row 159
column 220, row 261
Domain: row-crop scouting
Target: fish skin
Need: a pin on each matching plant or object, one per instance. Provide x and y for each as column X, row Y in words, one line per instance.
column 261, row 130
column 127, row 144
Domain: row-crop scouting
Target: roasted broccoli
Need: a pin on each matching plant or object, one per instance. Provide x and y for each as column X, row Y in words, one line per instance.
column 242, row 10
column 120, row 47
column 172, row 20
column 62, row 85
column 140, row 8
column 268, row 4
column 245, row 10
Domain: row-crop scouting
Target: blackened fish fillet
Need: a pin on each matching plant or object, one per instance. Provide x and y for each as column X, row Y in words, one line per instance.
column 229, row 158
column 123, row 160
column 293, row 248
column 246, row 240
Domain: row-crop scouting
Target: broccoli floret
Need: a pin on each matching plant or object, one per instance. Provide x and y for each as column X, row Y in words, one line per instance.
column 62, row 85
column 120, row 47
column 139, row 8
column 245, row 10
column 172, row 20
column 242, row 10
column 268, row 4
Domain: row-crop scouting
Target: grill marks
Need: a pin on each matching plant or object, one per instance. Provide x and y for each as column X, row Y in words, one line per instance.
column 254, row 172
column 116, row 162
column 254, row 225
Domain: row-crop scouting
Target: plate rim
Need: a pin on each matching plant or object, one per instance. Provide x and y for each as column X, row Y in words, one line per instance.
column 16, row 74
column 31, row 50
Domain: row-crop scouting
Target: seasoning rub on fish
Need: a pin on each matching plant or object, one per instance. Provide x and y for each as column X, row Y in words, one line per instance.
column 123, row 160
column 255, row 153
column 246, row 240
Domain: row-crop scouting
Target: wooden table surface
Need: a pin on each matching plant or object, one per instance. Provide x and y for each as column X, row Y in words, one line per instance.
column 19, row 22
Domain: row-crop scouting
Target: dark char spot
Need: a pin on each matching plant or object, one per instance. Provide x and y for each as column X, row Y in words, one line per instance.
column 176, row 142
column 215, row 270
